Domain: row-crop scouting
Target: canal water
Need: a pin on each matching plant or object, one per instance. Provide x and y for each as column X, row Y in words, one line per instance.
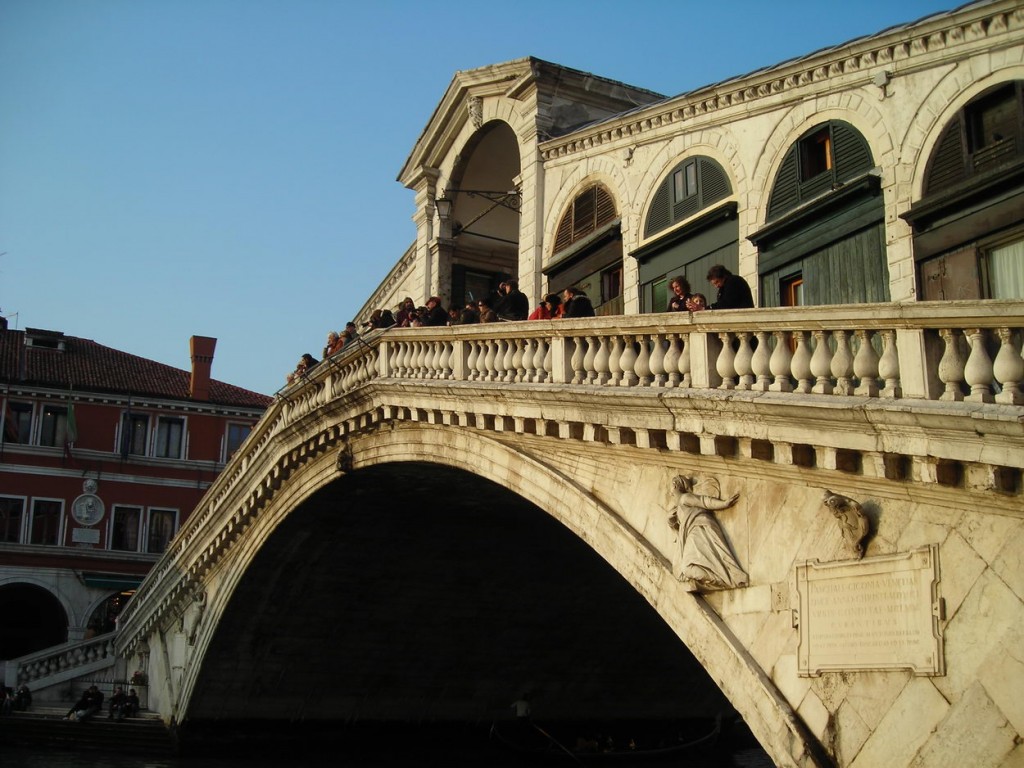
column 461, row 757
column 45, row 758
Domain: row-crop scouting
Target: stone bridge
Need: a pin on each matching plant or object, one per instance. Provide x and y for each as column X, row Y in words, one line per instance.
column 438, row 521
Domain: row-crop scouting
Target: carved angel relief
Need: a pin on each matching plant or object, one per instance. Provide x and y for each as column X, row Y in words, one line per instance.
column 853, row 523
column 476, row 110
column 705, row 560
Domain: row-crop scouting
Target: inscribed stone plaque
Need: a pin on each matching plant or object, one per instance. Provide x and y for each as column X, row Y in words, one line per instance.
column 85, row 535
column 876, row 613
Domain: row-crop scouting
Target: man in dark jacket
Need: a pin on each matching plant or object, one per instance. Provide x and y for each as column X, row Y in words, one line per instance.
column 513, row 304
column 733, row 291
column 576, row 303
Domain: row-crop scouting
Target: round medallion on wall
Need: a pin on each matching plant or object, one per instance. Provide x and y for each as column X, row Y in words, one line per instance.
column 90, row 486
column 87, row 509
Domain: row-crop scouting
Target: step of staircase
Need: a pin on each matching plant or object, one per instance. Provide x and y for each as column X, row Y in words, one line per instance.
column 46, row 727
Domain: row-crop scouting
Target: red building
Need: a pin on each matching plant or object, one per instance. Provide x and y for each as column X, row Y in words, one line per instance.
column 103, row 455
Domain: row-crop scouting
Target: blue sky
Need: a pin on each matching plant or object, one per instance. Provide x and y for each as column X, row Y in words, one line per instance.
column 227, row 168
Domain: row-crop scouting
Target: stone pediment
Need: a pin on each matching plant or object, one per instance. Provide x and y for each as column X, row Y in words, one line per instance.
column 562, row 100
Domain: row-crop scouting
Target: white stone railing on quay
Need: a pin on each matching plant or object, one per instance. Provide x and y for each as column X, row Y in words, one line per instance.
column 61, row 663
column 935, row 351
column 927, row 351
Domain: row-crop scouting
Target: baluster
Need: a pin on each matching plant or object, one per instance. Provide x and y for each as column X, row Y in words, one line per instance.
column 542, row 361
column 415, row 359
column 744, row 362
column 474, row 353
column 499, row 359
column 951, row 366
column 726, row 363
column 671, row 363
column 761, row 363
column 589, row 359
column 517, row 360
column 510, row 354
column 978, row 373
column 445, row 363
column 433, row 359
column 1009, row 369
column 529, row 360
column 488, row 373
column 842, row 364
column 802, row 363
column 578, row 371
column 601, row 362
column 614, row 360
column 684, row 361
column 481, row 361
column 401, row 355
column 865, row 365
column 780, row 363
column 627, row 363
column 821, row 364
column 657, row 360
column 642, row 366
column 889, row 366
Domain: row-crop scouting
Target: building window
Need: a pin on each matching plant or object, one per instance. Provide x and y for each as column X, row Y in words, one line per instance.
column 236, row 436
column 54, row 425
column 992, row 125
column 592, row 209
column 46, row 519
column 134, row 434
column 792, row 290
column 169, row 433
column 18, row 422
column 163, row 524
column 125, row 527
column 693, row 185
column 12, row 511
column 1003, row 266
column 816, row 154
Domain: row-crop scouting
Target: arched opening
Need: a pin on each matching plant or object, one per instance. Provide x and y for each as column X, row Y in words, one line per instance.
column 588, row 250
column 34, row 620
column 419, row 593
column 695, row 227
column 484, row 217
column 824, row 238
column 968, row 226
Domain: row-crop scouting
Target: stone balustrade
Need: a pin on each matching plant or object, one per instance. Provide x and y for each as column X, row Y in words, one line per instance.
column 61, row 663
column 936, row 351
column 882, row 355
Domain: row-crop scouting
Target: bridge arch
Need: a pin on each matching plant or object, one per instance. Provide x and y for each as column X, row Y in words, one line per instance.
column 566, row 500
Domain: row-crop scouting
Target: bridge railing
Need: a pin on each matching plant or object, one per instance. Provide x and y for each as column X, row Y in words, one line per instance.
column 936, row 351
column 926, row 351
column 59, row 664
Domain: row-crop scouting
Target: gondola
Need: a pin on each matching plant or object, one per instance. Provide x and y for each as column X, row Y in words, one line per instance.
column 590, row 744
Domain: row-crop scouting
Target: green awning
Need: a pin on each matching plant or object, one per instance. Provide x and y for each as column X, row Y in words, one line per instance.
column 117, row 581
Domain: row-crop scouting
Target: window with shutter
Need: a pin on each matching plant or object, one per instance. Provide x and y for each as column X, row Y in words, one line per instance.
column 988, row 133
column 821, row 160
column 690, row 187
column 592, row 209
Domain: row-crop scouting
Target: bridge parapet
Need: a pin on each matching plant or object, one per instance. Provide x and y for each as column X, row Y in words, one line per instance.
column 806, row 372
column 950, row 351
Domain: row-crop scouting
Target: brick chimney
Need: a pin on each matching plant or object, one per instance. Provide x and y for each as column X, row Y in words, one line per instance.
column 202, row 360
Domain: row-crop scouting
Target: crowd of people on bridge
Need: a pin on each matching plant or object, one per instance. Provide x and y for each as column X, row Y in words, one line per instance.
column 510, row 304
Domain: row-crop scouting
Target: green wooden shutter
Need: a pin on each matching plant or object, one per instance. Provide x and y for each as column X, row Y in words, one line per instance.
column 786, row 190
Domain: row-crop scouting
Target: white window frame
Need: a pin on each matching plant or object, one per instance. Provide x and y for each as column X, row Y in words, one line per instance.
column 8, row 402
column 121, row 427
column 138, row 534
column 155, row 437
column 28, row 524
column 24, row 517
column 226, row 452
column 148, row 525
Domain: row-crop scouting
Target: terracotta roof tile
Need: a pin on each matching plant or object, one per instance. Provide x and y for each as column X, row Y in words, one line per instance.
column 87, row 366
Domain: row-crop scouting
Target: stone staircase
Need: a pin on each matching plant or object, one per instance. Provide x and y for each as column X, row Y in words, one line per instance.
column 46, row 727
